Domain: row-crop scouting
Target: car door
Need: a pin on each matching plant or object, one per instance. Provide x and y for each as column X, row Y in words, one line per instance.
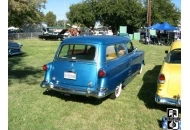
column 118, row 65
column 125, row 59
column 133, row 57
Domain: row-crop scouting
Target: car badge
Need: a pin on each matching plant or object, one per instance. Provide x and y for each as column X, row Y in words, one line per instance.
column 72, row 68
column 90, row 84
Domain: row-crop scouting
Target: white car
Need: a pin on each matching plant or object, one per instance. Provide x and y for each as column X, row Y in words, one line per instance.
column 14, row 48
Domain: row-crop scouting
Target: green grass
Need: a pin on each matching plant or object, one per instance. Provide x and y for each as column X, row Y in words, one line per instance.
column 32, row 109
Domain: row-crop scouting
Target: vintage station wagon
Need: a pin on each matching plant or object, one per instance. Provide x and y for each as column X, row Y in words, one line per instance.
column 95, row 66
column 169, row 79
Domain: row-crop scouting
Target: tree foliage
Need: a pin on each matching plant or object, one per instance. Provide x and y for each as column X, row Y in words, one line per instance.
column 130, row 13
column 117, row 13
column 50, row 18
column 24, row 11
column 165, row 11
column 81, row 13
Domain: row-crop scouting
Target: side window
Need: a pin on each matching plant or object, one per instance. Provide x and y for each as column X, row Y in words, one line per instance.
column 130, row 47
column 110, row 52
column 121, row 49
column 174, row 56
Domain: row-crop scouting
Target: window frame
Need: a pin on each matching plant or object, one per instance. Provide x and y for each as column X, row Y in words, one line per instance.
column 125, row 49
column 107, row 55
column 131, row 49
column 168, row 57
column 71, row 47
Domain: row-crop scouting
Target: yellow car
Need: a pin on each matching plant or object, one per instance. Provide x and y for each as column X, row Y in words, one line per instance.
column 169, row 79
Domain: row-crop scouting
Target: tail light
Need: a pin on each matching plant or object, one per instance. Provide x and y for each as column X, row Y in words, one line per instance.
column 161, row 78
column 45, row 67
column 101, row 73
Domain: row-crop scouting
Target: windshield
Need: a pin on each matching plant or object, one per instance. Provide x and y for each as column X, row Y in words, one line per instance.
column 174, row 56
column 77, row 52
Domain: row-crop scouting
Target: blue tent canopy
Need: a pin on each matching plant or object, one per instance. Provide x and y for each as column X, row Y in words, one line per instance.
column 155, row 26
column 165, row 26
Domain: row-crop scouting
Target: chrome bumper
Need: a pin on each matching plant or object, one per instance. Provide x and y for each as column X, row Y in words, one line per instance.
column 88, row 92
column 168, row 101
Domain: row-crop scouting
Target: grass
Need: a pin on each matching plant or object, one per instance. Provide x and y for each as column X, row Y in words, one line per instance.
column 30, row 108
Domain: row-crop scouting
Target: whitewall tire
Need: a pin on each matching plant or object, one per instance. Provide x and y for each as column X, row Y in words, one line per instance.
column 140, row 70
column 117, row 92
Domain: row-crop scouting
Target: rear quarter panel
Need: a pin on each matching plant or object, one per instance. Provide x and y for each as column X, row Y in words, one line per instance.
column 119, row 69
column 172, row 86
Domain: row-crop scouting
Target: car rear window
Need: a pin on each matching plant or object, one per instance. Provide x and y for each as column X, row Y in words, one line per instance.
column 77, row 52
column 175, row 56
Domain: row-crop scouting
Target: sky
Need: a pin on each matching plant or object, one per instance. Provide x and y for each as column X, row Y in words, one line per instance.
column 60, row 7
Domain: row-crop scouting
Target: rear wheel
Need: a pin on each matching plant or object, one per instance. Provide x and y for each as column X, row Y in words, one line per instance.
column 117, row 92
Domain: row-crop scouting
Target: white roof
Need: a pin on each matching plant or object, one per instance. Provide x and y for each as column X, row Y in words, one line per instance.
column 12, row 28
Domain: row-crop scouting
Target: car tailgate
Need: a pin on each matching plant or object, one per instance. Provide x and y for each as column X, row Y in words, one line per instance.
column 76, row 73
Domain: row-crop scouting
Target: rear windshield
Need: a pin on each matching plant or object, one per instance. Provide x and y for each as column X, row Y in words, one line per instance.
column 174, row 56
column 77, row 52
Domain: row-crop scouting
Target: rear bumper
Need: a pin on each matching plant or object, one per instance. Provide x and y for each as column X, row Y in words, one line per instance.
column 168, row 101
column 88, row 92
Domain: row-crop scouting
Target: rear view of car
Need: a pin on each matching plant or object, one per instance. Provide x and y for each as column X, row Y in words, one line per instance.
column 74, row 70
column 169, row 80
column 93, row 66
column 14, row 48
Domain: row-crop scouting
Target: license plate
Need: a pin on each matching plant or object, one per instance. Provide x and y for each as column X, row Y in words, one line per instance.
column 70, row 75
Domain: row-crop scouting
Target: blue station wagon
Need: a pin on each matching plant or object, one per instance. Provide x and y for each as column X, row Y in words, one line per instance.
column 94, row 66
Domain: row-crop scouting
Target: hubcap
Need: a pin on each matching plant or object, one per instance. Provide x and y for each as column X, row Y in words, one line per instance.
column 118, row 90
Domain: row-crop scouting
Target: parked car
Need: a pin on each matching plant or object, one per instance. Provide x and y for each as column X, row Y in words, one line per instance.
column 14, row 48
column 95, row 66
column 53, row 36
column 169, row 79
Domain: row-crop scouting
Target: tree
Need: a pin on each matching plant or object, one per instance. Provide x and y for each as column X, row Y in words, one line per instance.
column 164, row 11
column 81, row 14
column 24, row 11
column 117, row 13
column 112, row 13
column 50, row 18
column 130, row 13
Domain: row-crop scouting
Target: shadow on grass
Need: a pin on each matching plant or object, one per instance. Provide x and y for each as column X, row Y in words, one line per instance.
column 75, row 98
column 148, row 90
column 159, row 123
column 23, row 71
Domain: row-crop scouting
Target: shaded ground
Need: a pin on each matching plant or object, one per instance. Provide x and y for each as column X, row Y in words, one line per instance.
column 75, row 98
column 20, row 71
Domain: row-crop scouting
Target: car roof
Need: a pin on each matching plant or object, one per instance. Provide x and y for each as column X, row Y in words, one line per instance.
column 176, row 44
column 96, row 39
